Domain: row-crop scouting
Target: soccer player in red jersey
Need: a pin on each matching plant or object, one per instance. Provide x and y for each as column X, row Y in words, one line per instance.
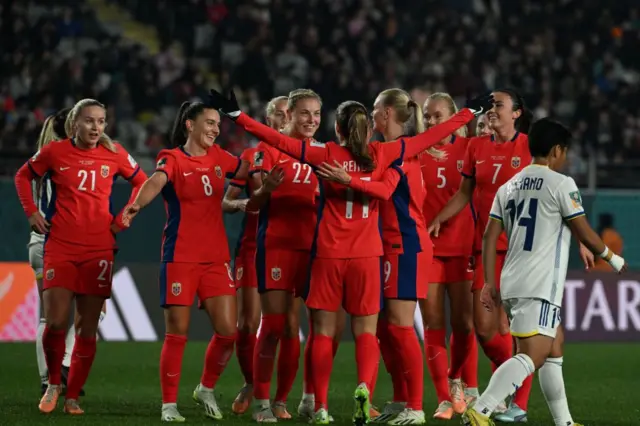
column 245, row 272
column 483, row 127
column 80, row 243
column 191, row 177
column 490, row 161
column 345, row 268
column 451, row 272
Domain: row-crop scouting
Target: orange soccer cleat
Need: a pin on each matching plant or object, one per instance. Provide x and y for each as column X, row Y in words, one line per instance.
column 456, row 391
column 444, row 411
column 280, row 410
column 241, row 403
column 72, row 407
column 49, row 400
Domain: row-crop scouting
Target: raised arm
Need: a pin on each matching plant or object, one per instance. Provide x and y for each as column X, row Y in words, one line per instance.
column 382, row 189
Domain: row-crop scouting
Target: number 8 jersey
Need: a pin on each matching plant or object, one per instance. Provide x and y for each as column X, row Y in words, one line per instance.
column 193, row 199
column 533, row 208
column 492, row 164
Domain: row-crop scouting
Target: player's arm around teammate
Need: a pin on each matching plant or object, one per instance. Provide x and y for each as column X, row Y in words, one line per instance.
column 191, row 178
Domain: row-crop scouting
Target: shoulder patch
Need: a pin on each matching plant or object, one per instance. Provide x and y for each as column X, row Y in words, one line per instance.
column 132, row 161
column 161, row 163
column 258, row 158
column 314, row 142
column 576, row 199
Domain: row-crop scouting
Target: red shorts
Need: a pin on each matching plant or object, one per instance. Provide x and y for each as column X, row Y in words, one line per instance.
column 279, row 269
column 406, row 276
column 451, row 269
column 245, row 269
column 181, row 281
column 351, row 283
column 90, row 274
column 478, row 276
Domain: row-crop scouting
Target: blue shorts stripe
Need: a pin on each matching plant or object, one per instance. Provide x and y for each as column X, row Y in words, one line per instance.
column 163, row 284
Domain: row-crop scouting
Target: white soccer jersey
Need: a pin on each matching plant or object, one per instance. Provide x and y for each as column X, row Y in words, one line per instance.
column 42, row 199
column 534, row 207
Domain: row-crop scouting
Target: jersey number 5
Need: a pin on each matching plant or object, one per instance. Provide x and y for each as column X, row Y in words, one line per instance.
column 515, row 214
column 365, row 203
column 442, row 179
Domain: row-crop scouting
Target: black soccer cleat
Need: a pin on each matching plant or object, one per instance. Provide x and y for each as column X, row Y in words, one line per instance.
column 65, row 376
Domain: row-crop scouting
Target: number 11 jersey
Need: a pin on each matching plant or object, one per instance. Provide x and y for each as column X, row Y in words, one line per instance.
column 534, row 207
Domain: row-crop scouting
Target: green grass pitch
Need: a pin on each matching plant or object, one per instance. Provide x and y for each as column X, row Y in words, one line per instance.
column 123, row 389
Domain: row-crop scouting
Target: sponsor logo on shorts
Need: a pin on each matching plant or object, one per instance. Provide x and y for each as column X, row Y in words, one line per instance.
column 176, row 289
column 50, row 274
column 239, row 272
column 276, row 274
column 104, row 171
column 219, row 172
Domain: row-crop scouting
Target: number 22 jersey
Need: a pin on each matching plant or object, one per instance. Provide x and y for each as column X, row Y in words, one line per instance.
column 533, row 208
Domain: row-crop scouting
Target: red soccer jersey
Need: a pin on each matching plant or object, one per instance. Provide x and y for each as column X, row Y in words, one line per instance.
column 193, row 199
column 442, row 178
column 247, row 238
column 288, row 220
column 347, row 219
column 81, row 181
column 492, row 164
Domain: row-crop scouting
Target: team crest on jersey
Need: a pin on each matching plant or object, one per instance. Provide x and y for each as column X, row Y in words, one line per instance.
column 276, row 274
column 104, row 171
column 50, row 274
column 239, row 272
column 515, row 162
column 459, row 164
column 219, row 172
column 176, row 289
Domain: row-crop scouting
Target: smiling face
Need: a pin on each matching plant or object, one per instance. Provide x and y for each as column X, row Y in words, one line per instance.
column 304, row 117
column 502, row 115
column 483, row 127
column 205, row 128
column 90, row 124
column 277, row 119
column 436, row 111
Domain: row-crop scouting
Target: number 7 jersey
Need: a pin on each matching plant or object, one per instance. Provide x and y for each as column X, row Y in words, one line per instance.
column 533, row 208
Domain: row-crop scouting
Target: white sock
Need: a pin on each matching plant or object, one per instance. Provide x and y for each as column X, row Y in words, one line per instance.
column 308, row 396
column 552, row 385
column 504, row 382
column 68, row 346
column 40, row 358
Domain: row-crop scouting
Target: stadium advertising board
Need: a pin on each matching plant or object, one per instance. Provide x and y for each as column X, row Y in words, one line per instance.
column 597, row 307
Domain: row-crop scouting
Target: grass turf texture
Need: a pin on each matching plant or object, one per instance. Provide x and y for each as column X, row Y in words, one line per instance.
column 124, row 389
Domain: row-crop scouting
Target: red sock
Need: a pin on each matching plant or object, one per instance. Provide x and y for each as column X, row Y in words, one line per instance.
column 461, row 344
column 288, row 363
column 53, row 344
column 265, row 353
column 411, row 370
column 219, row 352
column 470, row 368
column 508, row 341
column 437, row 361
column 84, row 352
column 321, row 366
column 244, row 351
column 307, row 385
column 522, row 394
column 496, row 350
column 367, row 357
column 171, row 366
column 391, row 358
column 374, row 381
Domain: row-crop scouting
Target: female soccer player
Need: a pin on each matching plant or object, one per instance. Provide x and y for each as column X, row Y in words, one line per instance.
column 79, row 248
column 490, row 161
column 248, row 297
column 191, row 177
column 345, row 268
column 483, row 126
column 451, row 272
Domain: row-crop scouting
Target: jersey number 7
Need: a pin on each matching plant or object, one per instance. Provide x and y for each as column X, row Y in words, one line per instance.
column 515, row 214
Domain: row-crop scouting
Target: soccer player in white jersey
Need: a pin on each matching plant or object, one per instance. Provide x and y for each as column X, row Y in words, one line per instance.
column 539, row 209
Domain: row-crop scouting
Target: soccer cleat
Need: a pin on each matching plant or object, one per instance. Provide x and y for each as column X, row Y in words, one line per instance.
column 514, row 414
column 306, row 408
column 72, row 407
column 373, row 412
column 280, row 410
column 170, row 414
column 207, row 399
column 262, row 413
column 321, row 417
column 456, row 392
column 49, row 400
column 242, row 401
column 472, row 418
column 361, row 411
column 409, row 417
column 444, row 411
column 389, row 412
column 470, row 395
column 43, row 389
column 501, row 408
column 65, row 377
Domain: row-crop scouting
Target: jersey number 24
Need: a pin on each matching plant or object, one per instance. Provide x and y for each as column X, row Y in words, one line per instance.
column 529, row 223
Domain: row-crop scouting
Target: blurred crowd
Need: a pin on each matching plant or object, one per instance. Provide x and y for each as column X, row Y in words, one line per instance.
column 574, row 60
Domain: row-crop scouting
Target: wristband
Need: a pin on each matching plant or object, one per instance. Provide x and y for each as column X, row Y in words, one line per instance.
column 606, row 254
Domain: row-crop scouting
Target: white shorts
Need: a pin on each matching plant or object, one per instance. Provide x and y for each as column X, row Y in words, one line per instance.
column 36, row 253
column 529, row 317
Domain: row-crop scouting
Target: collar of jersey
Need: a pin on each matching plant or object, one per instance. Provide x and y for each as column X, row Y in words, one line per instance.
column 184, row 151
column 513, row 139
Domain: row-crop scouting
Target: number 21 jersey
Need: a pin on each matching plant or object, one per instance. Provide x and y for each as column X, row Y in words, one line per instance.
column 533, row 208
column 492, row 164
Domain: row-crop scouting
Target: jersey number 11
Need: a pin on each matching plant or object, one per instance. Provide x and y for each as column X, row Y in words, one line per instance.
column 515, row 214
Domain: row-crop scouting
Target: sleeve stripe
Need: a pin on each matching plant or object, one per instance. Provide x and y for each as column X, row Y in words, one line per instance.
column 467, row 176
column 32, row 169
column 135, row 172
column 165, row 173
column 573, row 216
column 237, row 185
column 495, row 217
column 253, row 172
column 235, row 172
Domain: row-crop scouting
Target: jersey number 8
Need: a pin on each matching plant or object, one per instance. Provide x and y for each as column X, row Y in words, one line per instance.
column 515, row 214
column 206, row 184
